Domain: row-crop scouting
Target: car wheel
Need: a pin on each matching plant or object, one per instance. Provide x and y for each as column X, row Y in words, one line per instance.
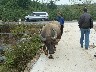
column 43, row 20
column 27, row 20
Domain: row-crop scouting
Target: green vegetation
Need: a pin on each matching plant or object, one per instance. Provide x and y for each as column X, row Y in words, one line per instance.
column 23, row 47
column 12, row 10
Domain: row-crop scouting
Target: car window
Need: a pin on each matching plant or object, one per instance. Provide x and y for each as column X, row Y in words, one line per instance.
column 32, row 14
column 38, row 14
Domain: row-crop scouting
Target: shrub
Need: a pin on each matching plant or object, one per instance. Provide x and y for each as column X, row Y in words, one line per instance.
column 19, row 55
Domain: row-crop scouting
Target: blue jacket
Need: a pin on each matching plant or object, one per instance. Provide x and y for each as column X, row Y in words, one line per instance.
column 61, row 20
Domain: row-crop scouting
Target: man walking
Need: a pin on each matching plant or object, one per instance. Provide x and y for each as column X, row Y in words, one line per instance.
column 85, row 24
column 60, row 19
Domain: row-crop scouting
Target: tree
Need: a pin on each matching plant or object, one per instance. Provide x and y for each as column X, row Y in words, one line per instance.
column 24, row 3
column 12, row 10
column 51, row 5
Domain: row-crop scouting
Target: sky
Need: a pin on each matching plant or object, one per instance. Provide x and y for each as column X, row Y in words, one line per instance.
column 65, row 2
column 58, row 2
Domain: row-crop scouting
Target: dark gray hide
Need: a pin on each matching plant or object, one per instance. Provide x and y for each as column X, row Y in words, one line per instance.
column 49, row 43
column 48, row 36
column 50, row 32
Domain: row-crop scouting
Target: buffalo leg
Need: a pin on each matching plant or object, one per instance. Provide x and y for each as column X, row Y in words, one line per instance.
column 54, row 48
column 44, row 48
column 50, row 48
column 45, row 51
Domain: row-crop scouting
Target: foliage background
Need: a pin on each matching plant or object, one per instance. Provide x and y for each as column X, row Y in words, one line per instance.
column 12, row 10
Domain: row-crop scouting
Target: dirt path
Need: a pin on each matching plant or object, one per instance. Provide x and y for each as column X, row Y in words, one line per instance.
column 69, row 57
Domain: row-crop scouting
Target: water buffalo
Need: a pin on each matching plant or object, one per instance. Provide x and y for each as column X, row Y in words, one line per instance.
column 49, row 35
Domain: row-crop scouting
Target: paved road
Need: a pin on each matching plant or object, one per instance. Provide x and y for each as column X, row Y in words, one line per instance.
column 69, row 57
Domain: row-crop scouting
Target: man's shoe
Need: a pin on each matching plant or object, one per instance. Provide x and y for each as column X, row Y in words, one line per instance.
column 81, row 46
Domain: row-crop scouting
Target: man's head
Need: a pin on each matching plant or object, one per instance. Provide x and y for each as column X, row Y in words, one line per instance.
column 85, row 9
column 60, row 14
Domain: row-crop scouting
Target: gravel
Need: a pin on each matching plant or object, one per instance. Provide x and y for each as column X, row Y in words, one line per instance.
column 69, row 56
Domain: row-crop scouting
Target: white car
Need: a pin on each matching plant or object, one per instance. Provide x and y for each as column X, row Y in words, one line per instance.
column 37, row 16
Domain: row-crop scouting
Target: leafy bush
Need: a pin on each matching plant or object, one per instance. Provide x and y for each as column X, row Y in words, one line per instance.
column 19, row 55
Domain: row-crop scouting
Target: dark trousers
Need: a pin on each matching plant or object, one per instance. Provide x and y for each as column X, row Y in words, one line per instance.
column 62, row 29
